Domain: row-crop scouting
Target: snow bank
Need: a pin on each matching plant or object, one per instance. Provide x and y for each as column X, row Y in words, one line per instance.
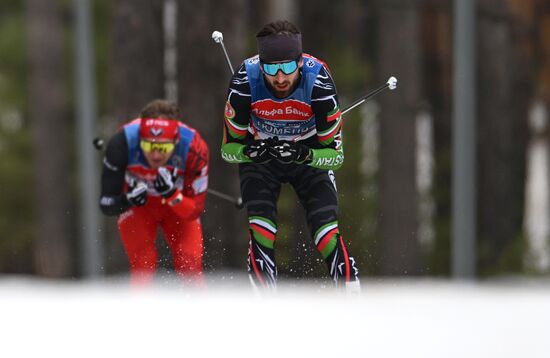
column 389, row 319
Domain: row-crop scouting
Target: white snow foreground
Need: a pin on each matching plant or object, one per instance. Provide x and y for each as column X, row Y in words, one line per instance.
column 403, row 319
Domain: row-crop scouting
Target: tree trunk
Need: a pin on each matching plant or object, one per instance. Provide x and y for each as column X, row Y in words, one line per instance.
column 504, row 92
column 318, row 26
column 138, row 55
column 399, row 54
column 437, row 73
column 543, row 47
column 50, row 150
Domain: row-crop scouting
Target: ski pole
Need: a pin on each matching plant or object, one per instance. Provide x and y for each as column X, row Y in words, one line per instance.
column 391, row 84
column 238, row 202
column 218, row 38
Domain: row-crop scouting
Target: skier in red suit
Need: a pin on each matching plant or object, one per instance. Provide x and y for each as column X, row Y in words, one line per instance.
column 155, row 174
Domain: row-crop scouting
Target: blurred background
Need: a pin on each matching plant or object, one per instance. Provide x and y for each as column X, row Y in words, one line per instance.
column 446, row 177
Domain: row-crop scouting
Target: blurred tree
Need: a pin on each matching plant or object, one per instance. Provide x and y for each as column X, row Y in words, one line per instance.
column 137, row 77
column 259, row 16
column 318, row 26
column 542, row 58
column 504, row 92
column 399, row 54
column 506, row 42
column 542, row 37
column 17, row 227
column 203, row 77
column 138, row 55
column 49, row 123
column 102, row 11
column 437, row 73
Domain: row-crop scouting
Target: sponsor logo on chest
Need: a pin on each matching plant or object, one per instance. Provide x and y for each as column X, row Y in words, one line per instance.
column 288, row 110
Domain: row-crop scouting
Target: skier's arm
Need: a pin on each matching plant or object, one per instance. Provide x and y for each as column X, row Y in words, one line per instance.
column 328, row 153
column 236, row 118
column 113, row 201
column 188, row 203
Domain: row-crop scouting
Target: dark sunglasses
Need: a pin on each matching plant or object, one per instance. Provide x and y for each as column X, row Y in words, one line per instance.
column 287, row 67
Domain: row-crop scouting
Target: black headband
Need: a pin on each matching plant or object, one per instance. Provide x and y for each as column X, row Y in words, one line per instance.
column 279, row 47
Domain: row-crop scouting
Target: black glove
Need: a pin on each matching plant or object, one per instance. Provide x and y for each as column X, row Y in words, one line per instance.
column 137, row 193
column 165, row 182
column 292, row 152
column 261, row 150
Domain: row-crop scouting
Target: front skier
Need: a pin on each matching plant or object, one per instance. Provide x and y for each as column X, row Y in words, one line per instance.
column 283, row 125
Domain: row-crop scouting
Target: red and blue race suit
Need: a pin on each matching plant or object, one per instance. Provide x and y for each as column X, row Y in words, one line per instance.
column 179, row 220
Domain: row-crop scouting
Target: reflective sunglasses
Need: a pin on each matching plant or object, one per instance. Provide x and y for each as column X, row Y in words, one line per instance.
column 163, row 147
column 287, row 67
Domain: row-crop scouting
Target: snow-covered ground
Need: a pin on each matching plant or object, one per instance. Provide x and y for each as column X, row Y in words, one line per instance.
column 397, row 318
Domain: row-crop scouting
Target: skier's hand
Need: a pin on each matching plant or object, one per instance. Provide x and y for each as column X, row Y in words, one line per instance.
column 292, row 152
column 137, row 193
column 261, row 150
column 165, row 182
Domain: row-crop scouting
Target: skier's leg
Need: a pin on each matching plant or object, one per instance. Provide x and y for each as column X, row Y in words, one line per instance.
column 316, row 189
column 261, row 255
column 260, row 191
column 184, row 238
column 138, row 233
